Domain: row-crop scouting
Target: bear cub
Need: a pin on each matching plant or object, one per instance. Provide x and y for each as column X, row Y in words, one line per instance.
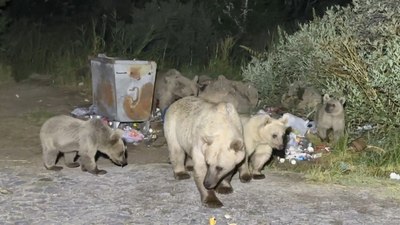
column 74, row 137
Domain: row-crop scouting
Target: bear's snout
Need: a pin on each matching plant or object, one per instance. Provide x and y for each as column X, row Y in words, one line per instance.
column 121, row 163
column 124, row 162
column 210, row 181
column 209, row 185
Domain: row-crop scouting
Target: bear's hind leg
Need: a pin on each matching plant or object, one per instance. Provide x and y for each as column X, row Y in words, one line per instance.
column 88, row 164
column 49, row 158
column 69, row 158
column 177, row 157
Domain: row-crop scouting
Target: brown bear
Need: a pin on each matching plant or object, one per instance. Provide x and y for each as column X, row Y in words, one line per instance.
column 262, row 133
column 170, row 86
column 211, row 135
column 73, row 136
column 330, row 115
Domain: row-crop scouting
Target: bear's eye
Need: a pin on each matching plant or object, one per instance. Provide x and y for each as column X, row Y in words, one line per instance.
column 208, row 165
column 274, row 136
column 121, row 154
column 218, row 168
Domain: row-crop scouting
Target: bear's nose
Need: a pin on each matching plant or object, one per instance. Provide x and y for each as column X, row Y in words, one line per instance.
column 208, row 185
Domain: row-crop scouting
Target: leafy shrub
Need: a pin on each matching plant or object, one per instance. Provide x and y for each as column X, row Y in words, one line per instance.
column 351, row 51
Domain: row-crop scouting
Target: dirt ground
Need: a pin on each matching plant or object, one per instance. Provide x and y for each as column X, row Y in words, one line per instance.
column 144, row 192
column 24, row 107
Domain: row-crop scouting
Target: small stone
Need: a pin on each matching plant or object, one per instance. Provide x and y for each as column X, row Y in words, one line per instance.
column 5, row 191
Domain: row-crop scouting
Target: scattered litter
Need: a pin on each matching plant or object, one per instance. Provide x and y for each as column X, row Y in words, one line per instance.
column 85, row 112
column 80, row 84
column 213, row 221
column 299, row 148
column 131, row 135
column 133, row 132
column 358, row 144
column 228, row 216
column 344, row 167
column 80, row 112
column 17, row 95
column 366, row 127
column 86, row 100
column 5, row 191
column 394, row 176
column 299, row 125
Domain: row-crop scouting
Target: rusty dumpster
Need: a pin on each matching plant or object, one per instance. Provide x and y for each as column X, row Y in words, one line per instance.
column 123, row 89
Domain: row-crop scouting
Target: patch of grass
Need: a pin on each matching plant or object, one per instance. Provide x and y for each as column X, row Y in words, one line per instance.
column 5, row 74
column 38, row 116
column 221, row 63
column 371, row 166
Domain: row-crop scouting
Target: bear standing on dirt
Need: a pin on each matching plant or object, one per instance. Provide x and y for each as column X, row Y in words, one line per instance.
column 262, row 133
column 211, row 135
column 73, row 136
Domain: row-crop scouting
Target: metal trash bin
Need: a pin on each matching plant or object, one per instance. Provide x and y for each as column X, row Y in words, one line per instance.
column 123, row 89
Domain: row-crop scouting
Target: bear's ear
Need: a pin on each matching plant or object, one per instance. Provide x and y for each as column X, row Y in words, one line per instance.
column 342, row 100
column 236, row 145
column 326, row 97
column 207, row 140
column 266, row 120
column 284, row 119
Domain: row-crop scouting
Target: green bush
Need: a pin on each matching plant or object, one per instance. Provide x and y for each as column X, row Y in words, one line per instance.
column 352, row 52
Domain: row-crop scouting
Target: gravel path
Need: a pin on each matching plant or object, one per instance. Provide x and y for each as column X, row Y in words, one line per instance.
column 148, row 194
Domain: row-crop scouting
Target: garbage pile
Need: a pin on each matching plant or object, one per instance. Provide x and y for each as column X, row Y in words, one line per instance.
column 134, row 132
column 299, row 147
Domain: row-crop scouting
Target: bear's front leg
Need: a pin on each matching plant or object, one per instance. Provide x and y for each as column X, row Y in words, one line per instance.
column 225, row 186
column 322, row 133
column 88, row 164
column 208, row 197
column 258, row 160
column 244, row 173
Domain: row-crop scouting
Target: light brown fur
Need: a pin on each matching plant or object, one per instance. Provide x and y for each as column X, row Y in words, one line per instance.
column 211, row 135
column 171, row 85
column 302, row 97
column 262, row 133
column 330, row 115
column 242, row 95
column 73, row 136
